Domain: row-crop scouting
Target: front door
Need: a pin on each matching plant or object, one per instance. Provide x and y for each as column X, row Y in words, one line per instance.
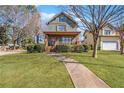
column 51, row 43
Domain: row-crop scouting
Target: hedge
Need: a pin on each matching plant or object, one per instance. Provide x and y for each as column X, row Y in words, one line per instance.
column 63, row 48
column 38, row 48
column 35, row 48
column 72, row 48
column 86, row 48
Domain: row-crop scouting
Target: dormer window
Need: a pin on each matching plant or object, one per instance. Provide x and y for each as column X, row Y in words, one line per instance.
column 61, row 28
column 107, row 32
column 62, row 19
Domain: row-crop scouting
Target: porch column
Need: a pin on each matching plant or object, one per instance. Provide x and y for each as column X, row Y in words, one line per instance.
column 78, row 39
column 46, row 42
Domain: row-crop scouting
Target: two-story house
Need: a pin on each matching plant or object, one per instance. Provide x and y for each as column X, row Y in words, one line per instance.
column 61, row 30
column 108, row 39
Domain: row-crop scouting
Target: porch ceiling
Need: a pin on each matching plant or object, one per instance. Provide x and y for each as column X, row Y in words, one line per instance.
column 62, row 33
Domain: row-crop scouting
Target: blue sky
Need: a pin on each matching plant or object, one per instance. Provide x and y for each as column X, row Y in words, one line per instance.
column 48, row 11
column 49, row 8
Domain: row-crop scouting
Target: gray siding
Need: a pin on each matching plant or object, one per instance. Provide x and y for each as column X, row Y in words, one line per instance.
column 53, row 25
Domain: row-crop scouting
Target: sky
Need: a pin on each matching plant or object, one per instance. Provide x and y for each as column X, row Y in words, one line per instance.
column 48, row 11
column 49, row 8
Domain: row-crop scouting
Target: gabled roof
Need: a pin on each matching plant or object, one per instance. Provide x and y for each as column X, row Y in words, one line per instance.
column 62, row 13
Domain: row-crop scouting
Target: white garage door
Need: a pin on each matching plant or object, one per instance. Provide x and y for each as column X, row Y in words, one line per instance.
column 110, row 45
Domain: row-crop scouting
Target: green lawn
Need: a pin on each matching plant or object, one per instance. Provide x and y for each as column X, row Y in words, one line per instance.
column 109, row 66
column 32, row 70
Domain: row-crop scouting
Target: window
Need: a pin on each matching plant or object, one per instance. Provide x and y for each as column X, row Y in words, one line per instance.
column 61, row 28
column 62, row 19
column 107, row 32
column 69, row 22
column 65, row 40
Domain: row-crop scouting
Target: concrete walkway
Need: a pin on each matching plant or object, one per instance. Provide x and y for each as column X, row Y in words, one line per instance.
column 81, row 76
column 2, row 53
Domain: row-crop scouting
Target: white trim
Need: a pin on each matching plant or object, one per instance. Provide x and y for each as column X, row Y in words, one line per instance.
column 61, row 30
column 117, row 41
column 107, row 34
column 101, row 46
column 112, row 32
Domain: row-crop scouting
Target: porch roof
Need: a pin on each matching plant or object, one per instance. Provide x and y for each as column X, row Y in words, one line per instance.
column 61, row 33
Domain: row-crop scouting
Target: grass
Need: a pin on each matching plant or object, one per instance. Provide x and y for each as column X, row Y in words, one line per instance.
column 32, row 71
column 109, row 66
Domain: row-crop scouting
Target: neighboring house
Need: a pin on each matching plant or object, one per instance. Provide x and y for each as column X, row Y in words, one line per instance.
column 61, row 30
column 39, row 39
column 108, row 39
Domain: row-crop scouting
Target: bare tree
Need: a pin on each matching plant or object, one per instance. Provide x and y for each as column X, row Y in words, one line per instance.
column 4, row 23
column 94, row 18
column 16, row 17
column 19, row 18
column 33, row 28
column 3, row 37
column 120, row 29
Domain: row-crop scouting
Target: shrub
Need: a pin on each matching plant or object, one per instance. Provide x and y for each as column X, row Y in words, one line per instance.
column 77, row 49
column 67, row 48
column 90, row 47
column 80, row 49
column 29, row 41
column 98, row 48
column 86, row 48
column 73, row 48
column 30, row 48
column 63, row 48
column 38, row 48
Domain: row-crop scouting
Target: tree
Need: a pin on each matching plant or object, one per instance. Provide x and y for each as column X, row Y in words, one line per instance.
column 120, row 29
column 94, row 18
column 33, row 28
column 18, row 18
column 3, row 37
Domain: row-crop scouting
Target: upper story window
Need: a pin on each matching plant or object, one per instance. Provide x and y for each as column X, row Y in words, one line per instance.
column 107, row 32
column 69, row 22
column 61, row 28
column 62, row 19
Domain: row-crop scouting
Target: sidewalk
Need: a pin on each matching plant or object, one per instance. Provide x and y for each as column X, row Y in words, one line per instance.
column 10, row 52
column 81, row 76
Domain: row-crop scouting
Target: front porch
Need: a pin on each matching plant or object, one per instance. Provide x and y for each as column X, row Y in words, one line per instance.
column 59, row 38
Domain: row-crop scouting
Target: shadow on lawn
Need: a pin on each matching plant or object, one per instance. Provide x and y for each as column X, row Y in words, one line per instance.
column 95, row 64
column 78, row 55
column 103, row 65
column 109, row 52
column 92, row 63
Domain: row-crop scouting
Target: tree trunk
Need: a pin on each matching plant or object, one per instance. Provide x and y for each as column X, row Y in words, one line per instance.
column 121, row 49
column 95, row 39
column 3, row 47
column 95, row 49
column 14, row 42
